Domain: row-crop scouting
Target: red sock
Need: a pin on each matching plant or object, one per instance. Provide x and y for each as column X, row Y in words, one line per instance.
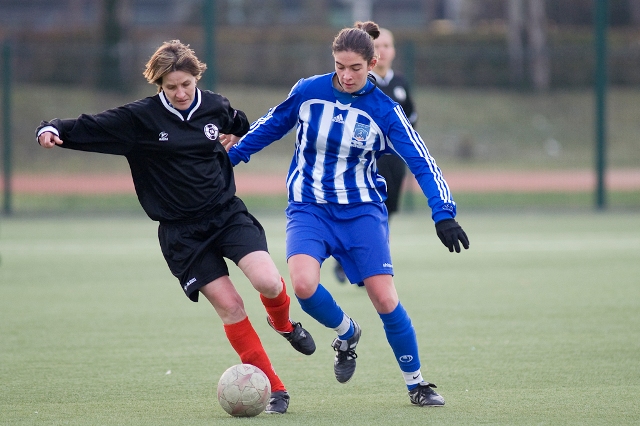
column 245, row 341
column 278, row 310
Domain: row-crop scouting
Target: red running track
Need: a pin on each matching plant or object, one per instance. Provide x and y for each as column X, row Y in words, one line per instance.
column 255, row 184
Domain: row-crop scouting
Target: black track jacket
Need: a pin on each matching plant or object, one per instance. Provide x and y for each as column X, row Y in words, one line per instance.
column 180, row 170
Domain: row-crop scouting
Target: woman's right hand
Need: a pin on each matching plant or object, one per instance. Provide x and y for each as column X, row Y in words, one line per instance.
column 49, row 140
column 228, row 141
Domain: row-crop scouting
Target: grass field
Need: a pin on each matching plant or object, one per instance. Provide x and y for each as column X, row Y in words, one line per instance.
column 538, row 323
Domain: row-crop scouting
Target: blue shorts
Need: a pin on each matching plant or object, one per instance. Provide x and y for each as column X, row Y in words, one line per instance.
column 357, row 235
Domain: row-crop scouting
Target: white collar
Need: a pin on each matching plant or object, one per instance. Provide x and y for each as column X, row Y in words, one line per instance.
column 173, row 110
column 383, row 81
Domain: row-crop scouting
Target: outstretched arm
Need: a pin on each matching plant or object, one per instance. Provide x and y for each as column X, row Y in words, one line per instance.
column 410, row 146
column 272, row 126
column 109, row 132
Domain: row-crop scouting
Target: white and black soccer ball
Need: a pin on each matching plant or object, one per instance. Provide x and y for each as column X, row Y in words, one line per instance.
column 244, row 390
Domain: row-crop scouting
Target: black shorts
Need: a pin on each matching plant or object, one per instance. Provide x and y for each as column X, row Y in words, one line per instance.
column 393, row 169
column 195, row 251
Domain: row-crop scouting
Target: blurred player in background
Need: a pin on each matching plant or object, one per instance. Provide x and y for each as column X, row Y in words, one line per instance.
column 344, row 123
column 391, row 167
column 184, row 180
column 392, row 84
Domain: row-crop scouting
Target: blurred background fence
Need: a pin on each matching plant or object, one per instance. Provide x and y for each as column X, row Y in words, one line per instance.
column 505, row 90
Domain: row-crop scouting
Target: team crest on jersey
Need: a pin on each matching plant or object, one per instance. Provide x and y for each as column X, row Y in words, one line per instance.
column 360, row 135
column 211, row 131
column 163, row 136
column 400, row 93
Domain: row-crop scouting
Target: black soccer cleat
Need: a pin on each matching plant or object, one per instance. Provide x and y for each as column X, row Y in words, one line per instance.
column 424, row 395
column 299, row 338
column 339, row 273
column 344, row 364
column 278, row 403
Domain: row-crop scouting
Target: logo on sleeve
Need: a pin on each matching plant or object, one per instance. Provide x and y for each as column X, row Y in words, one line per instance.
column 211, row 131
column 360, row 135
column 163, row 137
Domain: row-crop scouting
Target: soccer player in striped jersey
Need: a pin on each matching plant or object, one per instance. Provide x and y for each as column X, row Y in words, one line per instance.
column 344, row 123
column 184, row 181
column 390, row 167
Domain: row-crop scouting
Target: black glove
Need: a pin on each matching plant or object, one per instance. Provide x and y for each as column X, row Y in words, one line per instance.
column 450, row 233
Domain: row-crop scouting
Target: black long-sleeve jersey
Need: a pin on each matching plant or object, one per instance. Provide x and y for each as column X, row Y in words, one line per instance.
column 395, row 86
column 392, row 167
column 180, row 170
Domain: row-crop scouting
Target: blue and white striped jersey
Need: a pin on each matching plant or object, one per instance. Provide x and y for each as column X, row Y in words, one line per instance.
column 339, row 136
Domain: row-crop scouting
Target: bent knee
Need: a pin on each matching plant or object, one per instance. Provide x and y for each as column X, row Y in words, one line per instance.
column 269, row 287
column 304, row 289
column 385, row 306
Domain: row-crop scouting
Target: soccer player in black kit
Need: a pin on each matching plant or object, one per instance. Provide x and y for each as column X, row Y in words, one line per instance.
column 391, row 167
column 184, row 181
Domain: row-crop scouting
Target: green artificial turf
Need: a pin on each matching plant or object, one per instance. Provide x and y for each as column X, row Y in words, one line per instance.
column 536, row 324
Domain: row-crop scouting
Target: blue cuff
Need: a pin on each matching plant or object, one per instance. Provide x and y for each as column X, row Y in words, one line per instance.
column 442, row 215
column 234, row 157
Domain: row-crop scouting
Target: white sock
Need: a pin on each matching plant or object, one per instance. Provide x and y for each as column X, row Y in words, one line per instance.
column 344, row 326
column 412, row 378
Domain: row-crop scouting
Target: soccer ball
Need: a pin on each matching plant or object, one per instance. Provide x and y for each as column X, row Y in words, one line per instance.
column 244, row 390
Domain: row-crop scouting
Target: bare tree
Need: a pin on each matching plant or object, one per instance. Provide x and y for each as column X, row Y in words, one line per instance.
column 530, row 21
column 109, row 75
column 634, row 8
column 460, row 12
column 515, row 41
column 537, row 29
column 361, row 10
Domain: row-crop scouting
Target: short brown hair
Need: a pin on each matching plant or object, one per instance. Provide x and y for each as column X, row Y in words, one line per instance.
column 358, row 39
column 172, row 56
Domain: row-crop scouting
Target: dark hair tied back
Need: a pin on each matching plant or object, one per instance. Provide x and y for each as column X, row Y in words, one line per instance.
column 358, row 39
column 370, row 28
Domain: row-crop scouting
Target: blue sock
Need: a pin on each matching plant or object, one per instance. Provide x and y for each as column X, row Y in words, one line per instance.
column 402, row 338
column 322, row 307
